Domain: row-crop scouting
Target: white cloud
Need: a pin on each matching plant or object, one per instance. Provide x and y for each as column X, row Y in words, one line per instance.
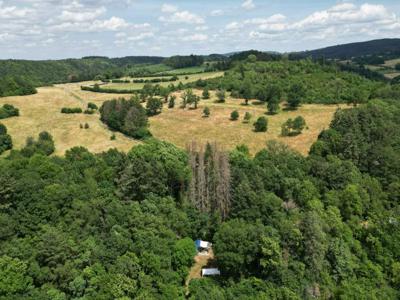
column 233, row 26
column 248, row 4
column 73, row 16
column 168, row 8
column 217, row 13
column 198, row 37
column 201, row 28
column 182, row 17
column 12, row 12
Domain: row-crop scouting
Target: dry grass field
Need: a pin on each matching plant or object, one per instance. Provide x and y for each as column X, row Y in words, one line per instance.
column 179, row 126
column 182, row 78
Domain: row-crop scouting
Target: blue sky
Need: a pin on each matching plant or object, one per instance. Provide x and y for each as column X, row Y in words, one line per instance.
column 52, row 29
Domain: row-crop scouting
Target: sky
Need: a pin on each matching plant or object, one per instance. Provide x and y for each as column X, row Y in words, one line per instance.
column 55, row 29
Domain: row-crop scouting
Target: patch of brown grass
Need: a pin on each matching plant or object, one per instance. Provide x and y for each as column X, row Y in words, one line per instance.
column 42, row 112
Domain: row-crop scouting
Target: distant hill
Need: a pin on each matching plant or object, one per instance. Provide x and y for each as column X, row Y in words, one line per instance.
column 348, row 51
column 57, row 71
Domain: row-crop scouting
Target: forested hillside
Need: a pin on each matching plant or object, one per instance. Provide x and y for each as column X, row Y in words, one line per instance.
column 284, row 226
column 70, row 70
column 351, row 50
column 318, row 83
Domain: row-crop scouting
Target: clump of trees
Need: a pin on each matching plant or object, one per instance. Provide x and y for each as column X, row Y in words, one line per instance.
column 206, row 94
column 71, row 110
column 126, row 116
column 8, row 111
column 178, row 62
column 16, row 86
column 293, row 126
column 261, row 125
column 295, row 95
column 210, row 184
column 43, row 145
column 189, row 98
column 5, row 139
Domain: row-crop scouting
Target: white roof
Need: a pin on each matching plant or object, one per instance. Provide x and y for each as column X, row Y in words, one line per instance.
column 204, row 244
column 210, row 272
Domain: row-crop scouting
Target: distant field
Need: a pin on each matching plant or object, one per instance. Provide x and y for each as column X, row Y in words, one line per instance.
column 138, row 86
column 391, row 63
column 185, row 70
column 42, row 112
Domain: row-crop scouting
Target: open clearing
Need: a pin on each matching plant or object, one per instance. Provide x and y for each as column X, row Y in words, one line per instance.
column 182, row 78
column 179, row 126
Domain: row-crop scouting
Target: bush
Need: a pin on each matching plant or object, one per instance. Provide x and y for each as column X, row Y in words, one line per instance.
column 247, row 117
column 261, row 125
column 293, row 127
column 206, row 94
column 206, row 112
column 221, row 95
column 113, row 137
column 154, row 106
column 44, row 145
column 8, row 111
column 171, row 101
column 86, row 126
column 73, row 110
column 234, row 115
column 89, row 111
column 91, row 105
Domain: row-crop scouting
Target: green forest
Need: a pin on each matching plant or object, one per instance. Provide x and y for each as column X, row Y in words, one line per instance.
column 283, row 226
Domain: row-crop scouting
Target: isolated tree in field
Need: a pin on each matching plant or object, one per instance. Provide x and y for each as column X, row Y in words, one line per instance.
column 164, row 93
column 247, row 117
column 194, row 100
column 153, row 106
column 206, row 112
column 221, row 95
column 293, row 127
column 206, row 94
column 295, row 95
column 171, row 101
column 185, row 97
column 234, row 115
column 261, row 125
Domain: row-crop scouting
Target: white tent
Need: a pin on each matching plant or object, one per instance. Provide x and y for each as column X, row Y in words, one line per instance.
column 210, row 272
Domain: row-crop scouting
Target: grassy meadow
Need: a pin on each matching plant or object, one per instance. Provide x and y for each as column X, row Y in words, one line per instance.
column 179, row 126
column 182, row 78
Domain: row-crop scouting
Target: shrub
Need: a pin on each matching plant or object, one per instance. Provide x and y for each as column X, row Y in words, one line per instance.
column 293, row 127
column 221, row 95
column 73, row 110
column 8, row 111
column 206, row 94
column 154, row 106
column 261, row 125
column 247, row 117
column 91, row 105
column 171, row 101
column 89, row 111
column 206, row 112
column 234, row 115
column 44, row 145
column 113, row 137
column 86, row 126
